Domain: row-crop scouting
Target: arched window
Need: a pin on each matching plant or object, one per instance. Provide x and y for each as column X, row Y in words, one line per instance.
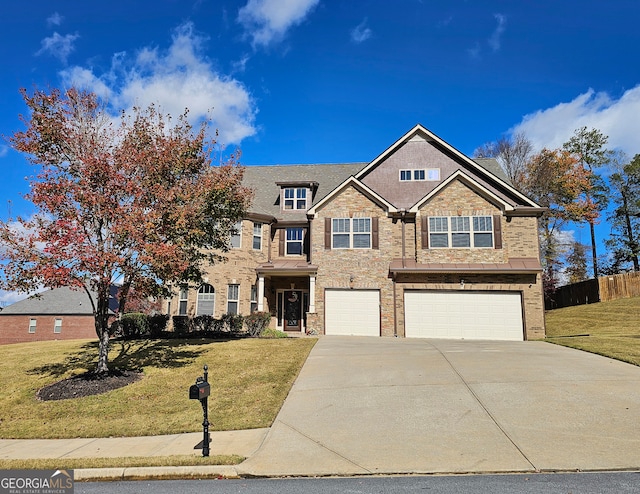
column 206, row 300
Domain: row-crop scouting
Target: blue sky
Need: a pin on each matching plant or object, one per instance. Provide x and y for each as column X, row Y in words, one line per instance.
column 323, row 81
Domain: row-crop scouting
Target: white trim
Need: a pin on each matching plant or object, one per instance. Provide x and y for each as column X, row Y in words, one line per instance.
column 358, row 185
column 463, row 177
column 260, row 293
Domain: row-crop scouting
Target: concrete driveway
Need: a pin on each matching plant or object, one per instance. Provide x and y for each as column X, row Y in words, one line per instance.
column 386, row 405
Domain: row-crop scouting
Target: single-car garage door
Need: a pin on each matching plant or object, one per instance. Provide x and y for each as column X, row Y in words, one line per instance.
column 352, row 312
column 463, row 315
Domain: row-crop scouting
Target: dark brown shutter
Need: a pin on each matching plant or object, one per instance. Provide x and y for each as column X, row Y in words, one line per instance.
column 374, row 233
column 425, row 232
column 497, row 231
column 327, row 233
column 281, row 242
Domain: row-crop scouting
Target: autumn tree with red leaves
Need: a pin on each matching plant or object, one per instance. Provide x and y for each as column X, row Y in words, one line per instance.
column 133, row 200
column 556, row 181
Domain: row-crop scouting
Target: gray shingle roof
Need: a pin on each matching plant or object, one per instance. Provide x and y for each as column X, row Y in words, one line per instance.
column 58, row 301
column 263, row 180
column 492, row 166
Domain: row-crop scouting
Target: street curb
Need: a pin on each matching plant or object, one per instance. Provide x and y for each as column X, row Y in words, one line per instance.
column 156, row 473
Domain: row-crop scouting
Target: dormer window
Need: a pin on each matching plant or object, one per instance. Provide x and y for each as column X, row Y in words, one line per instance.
column 295, row 198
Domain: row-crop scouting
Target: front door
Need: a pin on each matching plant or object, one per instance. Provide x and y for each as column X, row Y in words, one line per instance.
column 292, row 310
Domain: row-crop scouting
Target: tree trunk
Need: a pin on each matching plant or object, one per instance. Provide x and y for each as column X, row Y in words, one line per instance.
column 593, row 250
column 102, row 329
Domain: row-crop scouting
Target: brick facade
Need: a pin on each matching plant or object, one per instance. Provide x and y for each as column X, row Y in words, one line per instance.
column 15, row 328
column 375, row 192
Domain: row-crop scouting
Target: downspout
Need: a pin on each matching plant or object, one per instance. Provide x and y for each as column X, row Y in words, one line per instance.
column 403, row 213
column 395, row 309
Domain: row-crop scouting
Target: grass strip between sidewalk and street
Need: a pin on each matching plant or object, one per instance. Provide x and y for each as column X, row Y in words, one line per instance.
column 609, row 328
column 250, row 378
column 122, row 462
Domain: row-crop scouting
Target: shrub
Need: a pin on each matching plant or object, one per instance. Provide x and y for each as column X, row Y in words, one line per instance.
column 232, row 323
column 181, row 324
column 134, row 325
column 257, row 322
column 158, row 324
column 204, row 323
column 273, row 333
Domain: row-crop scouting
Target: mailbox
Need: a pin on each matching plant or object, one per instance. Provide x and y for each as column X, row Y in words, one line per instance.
column 199, row 391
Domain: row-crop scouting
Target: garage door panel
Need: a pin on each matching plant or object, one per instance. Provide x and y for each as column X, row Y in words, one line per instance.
column 463, row 315
column 352, row 312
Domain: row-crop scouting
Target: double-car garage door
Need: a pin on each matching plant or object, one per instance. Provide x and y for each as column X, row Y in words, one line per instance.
column 463, row 315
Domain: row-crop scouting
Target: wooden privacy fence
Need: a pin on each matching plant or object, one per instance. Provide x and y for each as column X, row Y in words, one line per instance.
column 619, row 286
column 605, row 288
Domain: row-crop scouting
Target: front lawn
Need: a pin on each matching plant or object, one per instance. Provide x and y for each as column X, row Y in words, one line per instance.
column 250, row 378
column 606, row 328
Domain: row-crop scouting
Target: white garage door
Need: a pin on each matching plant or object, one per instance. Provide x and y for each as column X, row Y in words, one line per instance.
column 463, row 315
column 352, row 312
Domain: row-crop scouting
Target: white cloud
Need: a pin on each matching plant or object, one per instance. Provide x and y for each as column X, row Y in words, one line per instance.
column 4, row 150
column 617, row 118
column 54, row 19
column 8, row 298
column 58, row 46
column 361, row 32
column 495, row 38
column 267, row 21
column 176, row 78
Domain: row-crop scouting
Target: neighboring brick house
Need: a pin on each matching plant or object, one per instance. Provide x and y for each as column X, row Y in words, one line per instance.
column 421, row 242
column 57, row 314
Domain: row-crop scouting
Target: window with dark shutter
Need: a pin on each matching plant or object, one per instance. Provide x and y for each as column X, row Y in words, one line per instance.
column 281, row 242
column 327, row 233
column 374, row 233
column 425, row 232
column 497, row 231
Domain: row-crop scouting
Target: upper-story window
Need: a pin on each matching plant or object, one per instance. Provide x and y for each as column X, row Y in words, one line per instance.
column 351, row 233
column 295, row 198
column 236, row 235
column 294, row 241
column 257, row 236
column 420, row 174
column 461, row 231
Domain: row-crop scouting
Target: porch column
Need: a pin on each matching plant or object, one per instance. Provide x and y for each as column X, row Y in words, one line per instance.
column 260, row 293
column 312, row 294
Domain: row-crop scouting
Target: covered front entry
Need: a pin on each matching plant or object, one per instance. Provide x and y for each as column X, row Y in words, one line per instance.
column 352, row 312
column 292, row 308
column 473, row 315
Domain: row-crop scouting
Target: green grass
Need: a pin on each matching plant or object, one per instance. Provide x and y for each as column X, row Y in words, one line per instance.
column 610, row 328
column 124, row 462
column 249, row 378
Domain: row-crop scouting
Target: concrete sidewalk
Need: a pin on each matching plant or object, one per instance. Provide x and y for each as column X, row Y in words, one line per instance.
column 242, row 443
column 402, row 406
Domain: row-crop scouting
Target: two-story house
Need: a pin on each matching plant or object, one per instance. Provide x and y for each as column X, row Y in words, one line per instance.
column 421, row 242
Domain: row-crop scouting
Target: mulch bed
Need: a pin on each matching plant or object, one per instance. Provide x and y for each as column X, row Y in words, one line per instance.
column 87, row 385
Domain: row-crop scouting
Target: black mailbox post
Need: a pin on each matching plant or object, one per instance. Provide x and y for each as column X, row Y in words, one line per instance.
column 200, row 391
